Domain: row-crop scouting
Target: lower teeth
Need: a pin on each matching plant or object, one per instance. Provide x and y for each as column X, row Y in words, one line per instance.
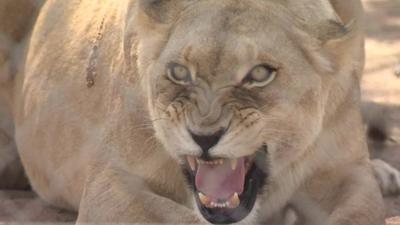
column 232, row 203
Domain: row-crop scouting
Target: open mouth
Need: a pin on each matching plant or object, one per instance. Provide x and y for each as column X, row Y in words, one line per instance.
column 226, row 189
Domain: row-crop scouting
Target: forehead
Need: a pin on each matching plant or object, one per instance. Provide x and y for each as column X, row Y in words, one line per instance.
column 212, row 23
column 224, row 35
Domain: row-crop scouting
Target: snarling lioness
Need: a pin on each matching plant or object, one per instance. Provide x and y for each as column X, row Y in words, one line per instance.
column 185, row 111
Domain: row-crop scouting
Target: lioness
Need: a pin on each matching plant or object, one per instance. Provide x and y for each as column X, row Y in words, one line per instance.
column 255, row 101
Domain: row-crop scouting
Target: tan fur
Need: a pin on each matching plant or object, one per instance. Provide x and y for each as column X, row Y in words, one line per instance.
column 111, row 150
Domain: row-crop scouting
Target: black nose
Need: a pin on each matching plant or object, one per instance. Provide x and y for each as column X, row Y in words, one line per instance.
column 208, row 141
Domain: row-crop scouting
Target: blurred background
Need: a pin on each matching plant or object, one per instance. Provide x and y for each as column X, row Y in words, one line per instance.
column 381, row 105
column 381, row 82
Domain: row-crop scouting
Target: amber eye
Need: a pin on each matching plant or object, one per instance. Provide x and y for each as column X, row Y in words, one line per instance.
column 260, row 76
column 179, row 74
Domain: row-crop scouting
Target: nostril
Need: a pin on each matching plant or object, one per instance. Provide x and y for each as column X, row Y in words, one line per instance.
column 208, row 141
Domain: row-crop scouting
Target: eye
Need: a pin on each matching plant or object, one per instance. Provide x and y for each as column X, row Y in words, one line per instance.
column 179, row 74
column 260, row 76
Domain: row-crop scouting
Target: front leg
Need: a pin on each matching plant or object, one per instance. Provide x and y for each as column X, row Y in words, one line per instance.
column 347, row 195
column 360, row 201
column 112, row 197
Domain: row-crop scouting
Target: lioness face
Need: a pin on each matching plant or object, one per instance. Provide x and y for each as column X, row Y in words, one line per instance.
column 234, row 96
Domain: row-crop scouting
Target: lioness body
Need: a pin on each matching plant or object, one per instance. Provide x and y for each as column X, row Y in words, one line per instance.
column 62, row 125
column 86, row 136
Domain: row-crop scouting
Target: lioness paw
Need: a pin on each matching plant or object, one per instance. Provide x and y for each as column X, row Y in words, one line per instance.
column 387, row 176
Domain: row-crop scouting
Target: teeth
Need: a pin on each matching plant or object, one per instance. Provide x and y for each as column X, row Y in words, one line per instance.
column 218, row 205
column 204, row 199
column 192, row 162
column 234, row 164
column 213, row 205
column 215, row 162
column 234, row 201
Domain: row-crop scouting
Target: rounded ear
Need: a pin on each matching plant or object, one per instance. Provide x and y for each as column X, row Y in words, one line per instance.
column 346, row 45
column 333, row 29
column 161, row 11
column 314, row 11
column 155, row 16
column 328, row 20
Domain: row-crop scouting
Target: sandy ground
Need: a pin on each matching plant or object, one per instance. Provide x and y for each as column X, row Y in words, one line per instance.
column 380, row 86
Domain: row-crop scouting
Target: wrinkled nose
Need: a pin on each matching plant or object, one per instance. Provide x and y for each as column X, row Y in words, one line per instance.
column 207, row 141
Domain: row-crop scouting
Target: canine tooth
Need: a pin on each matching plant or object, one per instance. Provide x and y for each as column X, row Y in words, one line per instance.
column 234, row 164
column 192, row 162
column 221, row 161
column 204, row 199
column 234, row 201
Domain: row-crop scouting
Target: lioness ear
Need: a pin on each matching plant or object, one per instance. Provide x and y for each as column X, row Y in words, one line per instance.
column 329, row 19
column 313, row 10
column 161, row 11
column 333, row 28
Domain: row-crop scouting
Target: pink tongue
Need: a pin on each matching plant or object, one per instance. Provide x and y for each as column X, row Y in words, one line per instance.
column 220, row 182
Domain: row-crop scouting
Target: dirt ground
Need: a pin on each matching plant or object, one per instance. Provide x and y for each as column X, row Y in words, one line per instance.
column 380, row 86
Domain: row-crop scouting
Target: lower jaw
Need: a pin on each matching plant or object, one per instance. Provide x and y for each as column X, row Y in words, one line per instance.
column 254, row 182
